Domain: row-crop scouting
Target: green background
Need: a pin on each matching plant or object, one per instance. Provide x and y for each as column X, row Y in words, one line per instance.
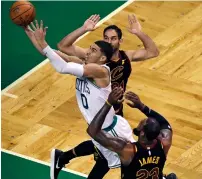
column 62, row 17
column 18, row 168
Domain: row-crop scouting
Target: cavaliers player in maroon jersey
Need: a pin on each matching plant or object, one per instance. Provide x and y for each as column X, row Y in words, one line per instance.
column 144, row 159
column 120, row 67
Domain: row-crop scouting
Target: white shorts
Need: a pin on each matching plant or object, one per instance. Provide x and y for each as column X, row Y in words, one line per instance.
column 119, row 128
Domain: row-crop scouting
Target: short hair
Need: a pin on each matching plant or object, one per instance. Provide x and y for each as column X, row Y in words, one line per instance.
column 151, row 129
column 106, row 48
column 114, row 27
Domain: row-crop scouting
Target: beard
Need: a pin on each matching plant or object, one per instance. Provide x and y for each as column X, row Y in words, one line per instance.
column 115, row 49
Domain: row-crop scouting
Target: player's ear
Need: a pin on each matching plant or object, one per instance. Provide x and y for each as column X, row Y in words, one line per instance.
column 121, row 41
column 103, row 58
column 142, row 133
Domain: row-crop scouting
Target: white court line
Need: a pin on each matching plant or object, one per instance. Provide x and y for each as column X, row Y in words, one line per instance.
column 41, row 162
column 10, row 95
column 46, row 60
column 24, row 76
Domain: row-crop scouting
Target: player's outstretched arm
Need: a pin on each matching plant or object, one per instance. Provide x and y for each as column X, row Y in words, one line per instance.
column 166, row 131
column 150, row 49
column 31, row 34
column 94, row 129
column 57, row 62
column 134, row 101
column 89, row 70
column 67, row 46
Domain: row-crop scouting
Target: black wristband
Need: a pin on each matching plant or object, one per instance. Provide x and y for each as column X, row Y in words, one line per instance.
column 146, row 110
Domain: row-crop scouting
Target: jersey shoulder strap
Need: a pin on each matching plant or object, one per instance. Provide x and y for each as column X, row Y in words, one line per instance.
column 123, row 54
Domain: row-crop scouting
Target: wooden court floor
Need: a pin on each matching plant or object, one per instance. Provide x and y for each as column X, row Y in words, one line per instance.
column 45, row 114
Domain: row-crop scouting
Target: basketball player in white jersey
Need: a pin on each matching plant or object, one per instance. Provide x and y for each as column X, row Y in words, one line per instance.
column 92, row 89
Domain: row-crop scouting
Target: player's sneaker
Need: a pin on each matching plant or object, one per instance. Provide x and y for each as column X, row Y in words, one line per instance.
column 55, row 167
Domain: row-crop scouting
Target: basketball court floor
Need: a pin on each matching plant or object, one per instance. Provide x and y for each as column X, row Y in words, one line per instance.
column 39, row 110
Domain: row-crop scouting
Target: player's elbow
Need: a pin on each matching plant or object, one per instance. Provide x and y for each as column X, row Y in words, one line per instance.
column 154, row 53
column 91, row 132
column 65, row 49
column 60, row 46
column 151, row 54
column 59, row 70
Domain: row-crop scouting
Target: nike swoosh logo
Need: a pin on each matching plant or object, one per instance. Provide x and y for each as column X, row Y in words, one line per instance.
column 57, row 164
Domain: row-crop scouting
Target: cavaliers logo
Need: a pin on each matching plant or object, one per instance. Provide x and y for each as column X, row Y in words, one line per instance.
column 117, row 73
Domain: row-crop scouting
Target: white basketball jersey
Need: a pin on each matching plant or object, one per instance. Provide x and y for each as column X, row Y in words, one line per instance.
column 91, row 98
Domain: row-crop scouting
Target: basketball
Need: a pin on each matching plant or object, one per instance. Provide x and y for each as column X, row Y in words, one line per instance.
column 22, row 13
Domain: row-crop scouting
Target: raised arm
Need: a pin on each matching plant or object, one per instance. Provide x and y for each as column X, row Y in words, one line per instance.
column 61, row 65
column 94, row 129
column 166, row 130
column 67, row 46
column 31, row 36
column 150, row 49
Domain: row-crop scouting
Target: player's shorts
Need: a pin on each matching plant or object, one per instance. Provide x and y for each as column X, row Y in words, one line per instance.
column 119, row 128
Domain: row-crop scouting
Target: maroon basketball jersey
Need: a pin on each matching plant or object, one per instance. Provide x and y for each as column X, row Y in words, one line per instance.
column 120, row 72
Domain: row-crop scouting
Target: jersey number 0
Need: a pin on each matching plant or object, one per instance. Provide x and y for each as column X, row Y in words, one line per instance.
column 84, row 101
